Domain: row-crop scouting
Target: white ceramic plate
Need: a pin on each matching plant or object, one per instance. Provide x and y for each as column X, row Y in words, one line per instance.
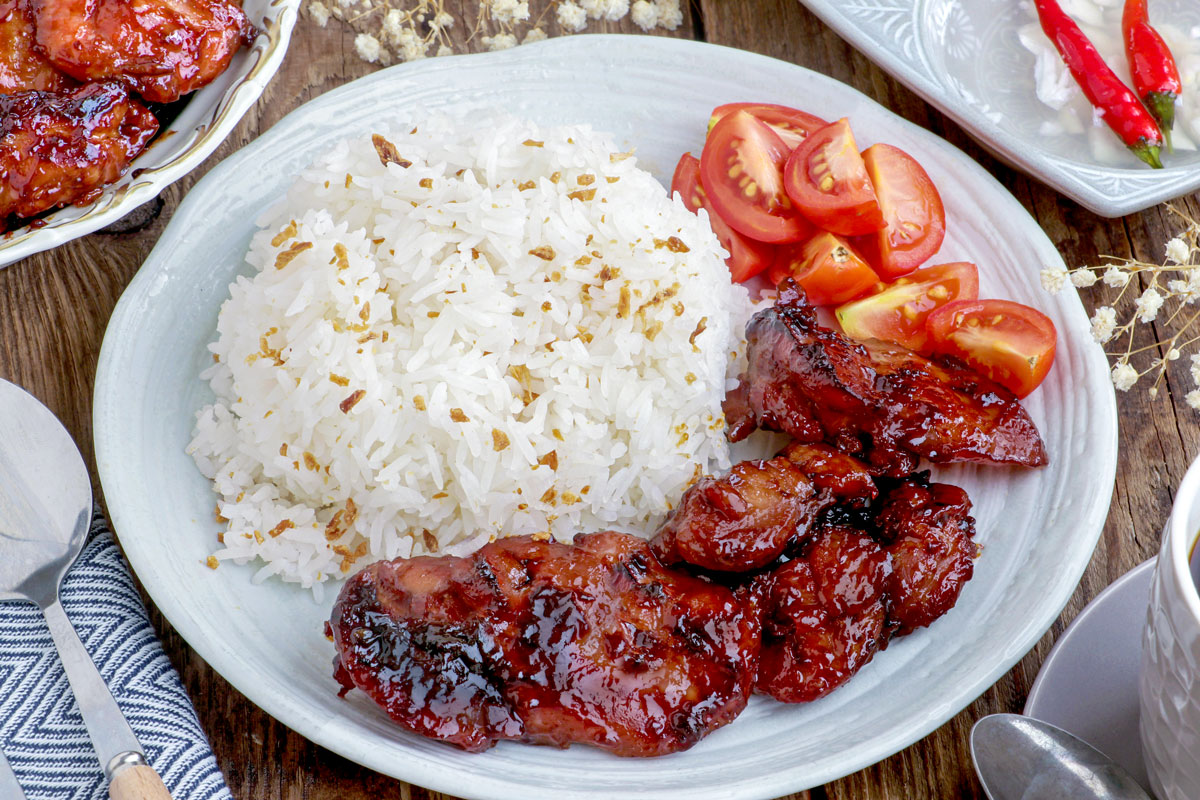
column 1088, row 685
column 964, row 57
column 210, row 114
column 1038, row 528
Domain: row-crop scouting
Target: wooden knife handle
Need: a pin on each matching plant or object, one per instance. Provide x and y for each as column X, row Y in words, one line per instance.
column 137, row 782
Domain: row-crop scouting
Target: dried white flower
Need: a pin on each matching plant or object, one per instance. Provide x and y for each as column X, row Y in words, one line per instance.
column 410, row 46
column 509, row 12
column 441, row 22
column 1104, row 324
column 1173, row 354
column 1054, row 279
column 670, row 15
column 393, row 22
column 1083, row 278
column 319, row 12
column 501, row 41
column 644, row 14
column 611, row 10
column 1192, row 398
column 571, row 17
column 1149, row 304
column 1178, row 250
column 534, row 35
column 445, row 50
column 1123, row 376
column 1195, row 368
column 367, row 47
column 1115, row 277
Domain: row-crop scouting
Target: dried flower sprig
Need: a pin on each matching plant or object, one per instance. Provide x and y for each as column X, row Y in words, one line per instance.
column 1178, row 278
column 389, row 31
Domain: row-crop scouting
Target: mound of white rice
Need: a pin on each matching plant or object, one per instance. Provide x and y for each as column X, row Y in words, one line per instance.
column 502, row 330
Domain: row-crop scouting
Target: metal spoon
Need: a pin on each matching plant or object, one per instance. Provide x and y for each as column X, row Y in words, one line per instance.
column 1021, row 758
column 45, row 511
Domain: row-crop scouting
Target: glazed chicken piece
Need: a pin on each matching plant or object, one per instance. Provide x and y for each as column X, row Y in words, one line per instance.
column 926, row 529
column 878, row 401
column 824, row 615
column 741, row 521
column 548, row 643
column 161, row 49
column 23, row 66
column 846, row 479
column 862, row 577
column 61, row 148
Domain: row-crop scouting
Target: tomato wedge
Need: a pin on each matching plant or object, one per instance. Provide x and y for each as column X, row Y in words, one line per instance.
column 747, row 257
column 790, row 124
column 897, row 312
column 1008, row 342
column 912, row 208
column 827, row 181
column 826, row 267
column 741, row 169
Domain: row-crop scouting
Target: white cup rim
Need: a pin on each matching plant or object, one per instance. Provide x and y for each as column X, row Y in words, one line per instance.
column 1181, row 535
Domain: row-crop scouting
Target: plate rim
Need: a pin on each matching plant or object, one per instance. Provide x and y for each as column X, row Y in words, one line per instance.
column 1047, row 168
column 761, row 786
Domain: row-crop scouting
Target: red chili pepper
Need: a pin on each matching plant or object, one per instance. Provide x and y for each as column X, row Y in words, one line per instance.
column 1155, row 76
column 1119, row 106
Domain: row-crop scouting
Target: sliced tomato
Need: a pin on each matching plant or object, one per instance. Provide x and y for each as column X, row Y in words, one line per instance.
column 826, row 267
column 912, row 208
column 791, row 124
column 1008, row 342
column 747, row 257
column 741, row 169
column 897, row 312
column 827, row 181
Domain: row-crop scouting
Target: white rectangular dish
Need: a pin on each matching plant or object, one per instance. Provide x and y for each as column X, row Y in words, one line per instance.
column 966, row 58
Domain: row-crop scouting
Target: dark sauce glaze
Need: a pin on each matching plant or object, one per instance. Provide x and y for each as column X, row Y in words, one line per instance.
column 543, row 642
column 62, row 148
column 878, row 401
column 161, row 50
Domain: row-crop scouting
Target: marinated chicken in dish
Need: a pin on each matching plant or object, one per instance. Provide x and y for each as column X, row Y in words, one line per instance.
column 740, row 521
column 926, row 529
column 879, row 401
column 61, row 148
column 843, row 477
column 862, row 577
column 23, row 66
column 161, row 49
column 548, row 643
column 824, row 615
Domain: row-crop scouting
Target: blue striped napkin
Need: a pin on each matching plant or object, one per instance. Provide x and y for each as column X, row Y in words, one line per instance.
column 41, row 731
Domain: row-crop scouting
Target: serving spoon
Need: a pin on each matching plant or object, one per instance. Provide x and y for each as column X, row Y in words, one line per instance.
column 45, row 512
column 1021, row 758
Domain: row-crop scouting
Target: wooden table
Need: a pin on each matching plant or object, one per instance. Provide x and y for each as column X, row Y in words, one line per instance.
column 54, row 307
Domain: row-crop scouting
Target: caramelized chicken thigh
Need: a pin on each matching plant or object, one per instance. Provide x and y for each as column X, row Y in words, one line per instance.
column 61, row 148
column 741, row 521
column 926, row 529
column 878, row 401
column 824, row 615
column 543, row 642
column 23, row 66
column 162, row 49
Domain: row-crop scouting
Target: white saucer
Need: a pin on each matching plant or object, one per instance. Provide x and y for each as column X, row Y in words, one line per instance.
column 1088, row 684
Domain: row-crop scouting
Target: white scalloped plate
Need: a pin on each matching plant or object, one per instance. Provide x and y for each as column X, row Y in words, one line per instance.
column 963, row 56
column 209, row 116
column 1038, row 528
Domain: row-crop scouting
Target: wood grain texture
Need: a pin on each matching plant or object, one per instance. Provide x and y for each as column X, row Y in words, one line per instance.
column 54, row 307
